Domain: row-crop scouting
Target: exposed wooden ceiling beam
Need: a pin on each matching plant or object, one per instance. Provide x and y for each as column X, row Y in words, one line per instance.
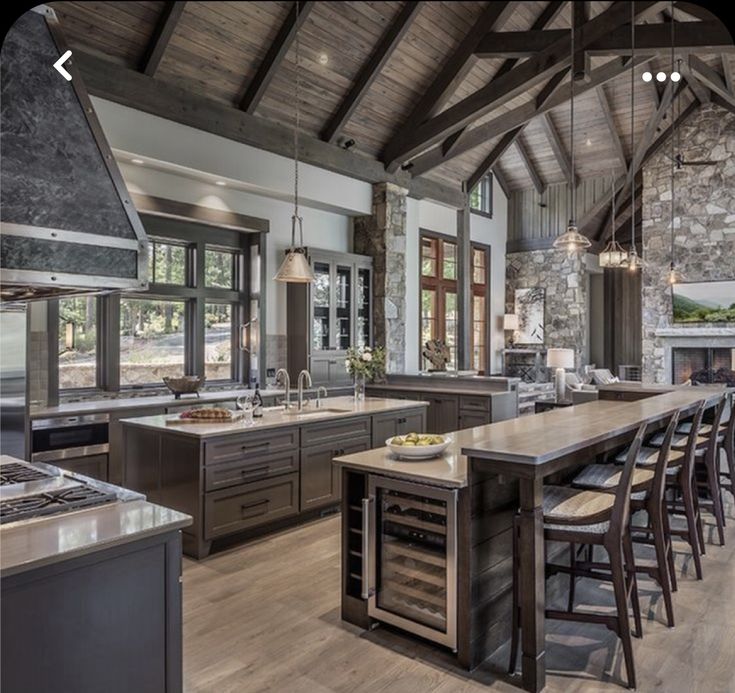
column 455, row 69
column 114, row 82
column 604, row 233
column 547, row 16
column 530, row 167
column 702, row 92
column 702, row 37
column 162, row 34
column 557, row 146
column 371, row 70
column 710, row 78
column 728, row 73
column 492, row 158
column 610, row 122
column 479, row 135
column 275, row 55
column 580, row 60
column 502, row 181
column 511, row 84
column 727, row 105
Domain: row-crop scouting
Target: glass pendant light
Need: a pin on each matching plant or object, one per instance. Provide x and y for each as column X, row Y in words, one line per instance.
column 675, row 276
column 614, row 254
column 572, row 240
column 295, row 267
column 634, row 261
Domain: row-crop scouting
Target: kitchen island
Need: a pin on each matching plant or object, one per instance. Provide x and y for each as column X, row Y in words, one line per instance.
column 91, row 596
column 239, row 480
column 449, row 577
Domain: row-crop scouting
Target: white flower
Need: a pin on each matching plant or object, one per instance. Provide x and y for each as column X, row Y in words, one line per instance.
column 367, row 356
column 367, row 348
column 348, row 365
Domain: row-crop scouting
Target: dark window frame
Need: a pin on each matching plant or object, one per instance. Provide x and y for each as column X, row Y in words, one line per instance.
column 486, row 185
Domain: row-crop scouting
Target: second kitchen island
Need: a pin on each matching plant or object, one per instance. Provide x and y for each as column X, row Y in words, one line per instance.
column 238, row 480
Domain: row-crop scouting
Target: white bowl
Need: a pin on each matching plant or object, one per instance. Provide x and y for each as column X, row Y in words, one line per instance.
column 418, row 452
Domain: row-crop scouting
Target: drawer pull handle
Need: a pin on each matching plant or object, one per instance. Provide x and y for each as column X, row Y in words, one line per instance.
column 256, row 504
column 251, row 472
column 260, row 446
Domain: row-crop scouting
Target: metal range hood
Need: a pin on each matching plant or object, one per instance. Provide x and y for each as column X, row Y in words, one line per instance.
column 67, row 222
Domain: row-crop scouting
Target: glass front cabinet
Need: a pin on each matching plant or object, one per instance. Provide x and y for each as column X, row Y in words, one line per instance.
column 330, row 315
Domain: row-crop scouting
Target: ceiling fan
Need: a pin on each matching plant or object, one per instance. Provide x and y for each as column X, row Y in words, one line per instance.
column 680, row 162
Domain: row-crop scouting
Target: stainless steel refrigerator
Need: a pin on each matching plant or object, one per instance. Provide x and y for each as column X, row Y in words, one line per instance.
column 13, row 381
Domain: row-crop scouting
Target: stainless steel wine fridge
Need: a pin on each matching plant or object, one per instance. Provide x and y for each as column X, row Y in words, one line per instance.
column 409, row 554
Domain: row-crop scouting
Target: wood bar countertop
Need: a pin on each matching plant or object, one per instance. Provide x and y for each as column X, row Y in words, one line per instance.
column 534, row 442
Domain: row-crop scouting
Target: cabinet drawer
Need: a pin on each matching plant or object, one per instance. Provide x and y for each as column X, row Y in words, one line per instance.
column 226, row 474
column 332, row 431
column 250, row 445
column 470, row 419
column 235, row 509
column 474, row 403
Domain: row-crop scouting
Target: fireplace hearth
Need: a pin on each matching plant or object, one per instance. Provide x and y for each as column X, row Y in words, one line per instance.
column 703, row 365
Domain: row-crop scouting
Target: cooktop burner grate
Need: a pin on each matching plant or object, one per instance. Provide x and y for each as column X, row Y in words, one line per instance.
column 52, row 502
column 13, row 473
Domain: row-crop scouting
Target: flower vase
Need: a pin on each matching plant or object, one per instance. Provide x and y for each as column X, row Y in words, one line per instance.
column 359, row 387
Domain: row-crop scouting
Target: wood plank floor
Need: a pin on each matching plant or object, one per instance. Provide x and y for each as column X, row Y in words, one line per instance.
column 265, row 617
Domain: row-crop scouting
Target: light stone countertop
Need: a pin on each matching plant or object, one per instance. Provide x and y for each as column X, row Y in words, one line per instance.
column 33, row 543
column 333, row 408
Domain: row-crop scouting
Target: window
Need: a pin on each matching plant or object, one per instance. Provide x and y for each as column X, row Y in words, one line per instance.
column 151, row 340
column 439, row 308
column 167, row 263
column 77, row 343
column 481, row 197
column 219, row 268
column 218, row 341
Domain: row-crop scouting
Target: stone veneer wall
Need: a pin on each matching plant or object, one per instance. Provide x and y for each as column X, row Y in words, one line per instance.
column 383, row 236
column 566, row 282
column 704, row 224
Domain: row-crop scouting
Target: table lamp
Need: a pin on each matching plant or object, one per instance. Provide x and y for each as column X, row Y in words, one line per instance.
column 561, row 359
column 510, row 324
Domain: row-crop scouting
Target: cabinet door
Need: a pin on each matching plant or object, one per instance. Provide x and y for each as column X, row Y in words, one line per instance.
column 92, row 465
column 320, row 478
column 384, row 426
column 443, row 413
column 321, row 307
column 411, row 422
column 364, row 296
column 343, row 303
column 470, row 419
column 116, row 439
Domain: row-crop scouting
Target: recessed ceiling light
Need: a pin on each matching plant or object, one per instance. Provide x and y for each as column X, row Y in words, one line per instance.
column 140, row 162
column 647, row 76
column 323, row 58
column 220, row 183
column 661, row 76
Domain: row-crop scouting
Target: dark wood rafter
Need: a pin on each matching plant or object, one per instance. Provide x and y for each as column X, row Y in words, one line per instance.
column 622, row 213
column 513, row 83
column 557, row 146
column 702, row 92
column 371, row 70
column 455, row 69
column 727, row 105
column 499, row 176
column 275, row 55
column 610, row 122
column 728, row 73
column 530, row 167
column 114, row 82
column 547, row 16
column 710, row 78
column 701, row 37
column 162, row 34
column 479, row 135
column 581, row 58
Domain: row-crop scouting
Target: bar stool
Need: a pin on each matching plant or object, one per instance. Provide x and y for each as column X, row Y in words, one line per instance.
column 728, row 447
column 577, row 516
column 648, row 496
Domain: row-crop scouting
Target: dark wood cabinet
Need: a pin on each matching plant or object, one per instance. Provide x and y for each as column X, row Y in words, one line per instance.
column 470, row 418
column 443, row 413
column 92, row 465
column 117, row 451
column 396, row 424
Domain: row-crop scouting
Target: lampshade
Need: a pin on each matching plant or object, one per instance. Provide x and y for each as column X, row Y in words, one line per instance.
column 560, row 358
column 510, row 321
column 295, row 268
column 572, row 240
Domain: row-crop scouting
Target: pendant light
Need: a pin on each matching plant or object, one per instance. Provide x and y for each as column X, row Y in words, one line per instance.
column 614, row 254
column 675, row 276
column 295, row 267
column 634, row 261
column 572, row 240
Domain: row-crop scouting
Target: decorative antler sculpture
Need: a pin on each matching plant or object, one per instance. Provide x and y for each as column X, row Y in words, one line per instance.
column 437, row 353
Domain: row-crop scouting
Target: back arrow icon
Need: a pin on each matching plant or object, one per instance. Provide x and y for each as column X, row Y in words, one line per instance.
column 58, row 65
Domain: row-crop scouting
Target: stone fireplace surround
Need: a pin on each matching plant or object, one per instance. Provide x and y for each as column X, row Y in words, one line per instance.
column 670, row 338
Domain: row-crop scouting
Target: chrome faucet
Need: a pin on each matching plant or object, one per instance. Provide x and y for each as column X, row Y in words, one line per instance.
column 319, row 391
column 287, row 384
column 304, row 375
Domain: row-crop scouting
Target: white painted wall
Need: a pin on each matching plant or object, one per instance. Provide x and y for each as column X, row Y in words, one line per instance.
column 182, row 163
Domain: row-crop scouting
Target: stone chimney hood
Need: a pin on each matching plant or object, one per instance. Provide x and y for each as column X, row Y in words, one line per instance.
column 67, row 223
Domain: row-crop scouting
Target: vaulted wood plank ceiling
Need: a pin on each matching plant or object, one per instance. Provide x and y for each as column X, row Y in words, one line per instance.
column 241, row 54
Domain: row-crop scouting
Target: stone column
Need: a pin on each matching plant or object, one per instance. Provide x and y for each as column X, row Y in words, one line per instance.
column 382, row 235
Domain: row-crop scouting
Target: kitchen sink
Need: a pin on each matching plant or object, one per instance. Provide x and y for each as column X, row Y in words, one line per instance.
column 309, row 412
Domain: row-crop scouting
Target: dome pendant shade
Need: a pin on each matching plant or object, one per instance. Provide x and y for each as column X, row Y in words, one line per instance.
column 572, row 240
column 614, row 255
column 295, row 268
column 635, row 262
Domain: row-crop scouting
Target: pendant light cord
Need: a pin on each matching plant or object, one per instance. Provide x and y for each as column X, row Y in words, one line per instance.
column 297, row 127
column 573, row 196
column 632, row 118
column 613, row 207
column 673, row 138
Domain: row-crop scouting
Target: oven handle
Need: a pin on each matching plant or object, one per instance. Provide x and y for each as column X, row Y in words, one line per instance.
column 366, row 525
column 67, row 453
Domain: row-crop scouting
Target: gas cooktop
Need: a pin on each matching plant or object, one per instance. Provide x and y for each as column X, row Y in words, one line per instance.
column 52, row 502
column 17, row 473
